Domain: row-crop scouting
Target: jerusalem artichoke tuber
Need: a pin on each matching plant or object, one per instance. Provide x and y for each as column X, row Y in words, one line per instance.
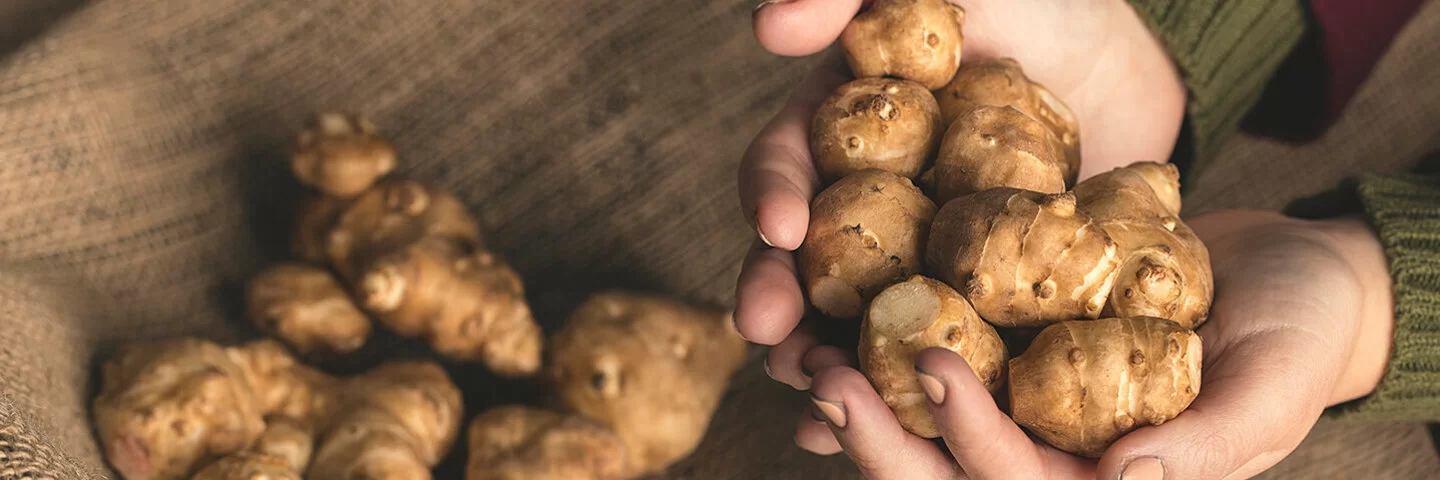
column 998, row 146
column 918, row 40
column 341, row 155
column 390, row 216
column 247, row 466
column 308, row 308
column 393, row 422
column 882, row 123
column 1002, row 82
column 523, row 443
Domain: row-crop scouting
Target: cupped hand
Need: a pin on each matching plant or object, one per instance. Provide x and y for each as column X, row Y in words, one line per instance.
column 1095, row 55
column 1301, row 320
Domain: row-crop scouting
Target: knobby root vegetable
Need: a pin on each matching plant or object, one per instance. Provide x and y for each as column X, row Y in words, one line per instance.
column 918, row 40
column 308, row 308
column 1023, row 258
column 1166, row 270
column 1114, row 246
column 1083, row 384
column 287, row 439
column 524, row 443
column 316, row 218
column 998, row 146
column 394, row 422
column 866, row 232
column 248, row 466
column 390, row 216
column 468, row 304
column 909, row 317
column 341, row 155
column 883, row 123
column 1001, row 82
column 167, row 407
column 650, row 367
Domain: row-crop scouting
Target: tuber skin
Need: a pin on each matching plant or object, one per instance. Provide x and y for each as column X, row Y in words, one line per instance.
column 341, row 155
column 882, row 123
column 912, row 316
column 316, row 218
column 917, row 40
column 866, row 232
column 469, row 305
column 1166, row 269
column 998, row 146
column 308, row 308
column 167, row 407
column 290, row 440
column 393, row 422
column 1023, row 258
column 394, row 214
column 248, row 466
column 650, row 367
column 515, row 442
column 1083, row 384
column 1002, row 82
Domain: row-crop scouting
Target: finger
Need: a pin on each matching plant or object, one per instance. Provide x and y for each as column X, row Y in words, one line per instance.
column 777, row 176
column 801, row 27
column 985, row 441
column 785, row 361
column 1238, row 426
column 869, row 432
column 826, row 356
column 814, row 435
column 768, row 302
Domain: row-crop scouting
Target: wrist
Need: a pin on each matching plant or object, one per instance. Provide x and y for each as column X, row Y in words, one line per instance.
column 1354, row 241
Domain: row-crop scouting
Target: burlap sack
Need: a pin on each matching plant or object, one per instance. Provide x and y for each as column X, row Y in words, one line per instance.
column 142, row 179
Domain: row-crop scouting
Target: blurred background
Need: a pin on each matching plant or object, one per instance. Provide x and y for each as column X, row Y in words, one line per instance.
column 143, row 180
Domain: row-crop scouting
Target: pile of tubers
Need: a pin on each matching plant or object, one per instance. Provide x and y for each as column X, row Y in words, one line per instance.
column 632, row 379
column 952, row 209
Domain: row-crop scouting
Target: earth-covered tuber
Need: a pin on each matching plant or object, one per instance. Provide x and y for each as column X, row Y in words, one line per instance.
column 515, row 442
column 1083, row 384
column 650, row 367
column 867, row 231
column 918, row 40
column 911, row 316
column 883, row 123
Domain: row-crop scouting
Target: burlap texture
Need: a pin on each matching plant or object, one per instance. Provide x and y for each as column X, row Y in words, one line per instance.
column 142, row 179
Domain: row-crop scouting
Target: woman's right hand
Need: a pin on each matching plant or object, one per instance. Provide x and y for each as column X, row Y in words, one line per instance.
column 1096, row 55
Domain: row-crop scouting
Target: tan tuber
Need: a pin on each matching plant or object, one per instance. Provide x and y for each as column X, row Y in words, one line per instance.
column 866, row 232
column 468, row 304
column 1083, row 384
column 393, row 422
column 390, row 216
column 524, row 443
column 650, row 367
column 998, row 146
column 909, row 317
column 1002, row 82
column 883, row 123
column 247, row 466
column 341, row 155
column 918, row 40
column 308, row 308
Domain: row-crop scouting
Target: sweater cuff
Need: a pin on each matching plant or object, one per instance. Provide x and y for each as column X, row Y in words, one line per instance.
column 1405, row 212
column 1226, row 51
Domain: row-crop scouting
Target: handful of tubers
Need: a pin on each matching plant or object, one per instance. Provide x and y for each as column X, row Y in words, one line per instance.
column 1103, row 268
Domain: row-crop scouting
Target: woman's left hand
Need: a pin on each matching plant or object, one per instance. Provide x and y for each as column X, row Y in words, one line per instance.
column 1301, row 321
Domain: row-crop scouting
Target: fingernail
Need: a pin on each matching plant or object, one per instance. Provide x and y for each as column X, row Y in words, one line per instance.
column 769, row 2
column 834, row 412
column 768, row 373
column 1145, row 468
column 932, row 386
column 815, row 414
column 762, row 237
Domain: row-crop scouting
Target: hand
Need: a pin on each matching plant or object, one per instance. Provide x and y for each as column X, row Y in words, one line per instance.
column 1096, row 55
column 1302, row 320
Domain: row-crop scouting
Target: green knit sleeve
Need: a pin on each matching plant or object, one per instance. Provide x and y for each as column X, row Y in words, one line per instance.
column 1404, row 209
column 1227, row 51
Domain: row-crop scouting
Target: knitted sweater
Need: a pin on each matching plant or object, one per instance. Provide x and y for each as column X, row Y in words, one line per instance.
column 1228, row 51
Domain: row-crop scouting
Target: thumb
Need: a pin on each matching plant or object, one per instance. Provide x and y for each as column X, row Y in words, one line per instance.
column 802, row 27
column 1255, row 412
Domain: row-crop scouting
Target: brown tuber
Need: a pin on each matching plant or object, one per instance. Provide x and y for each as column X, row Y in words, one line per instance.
column 469, row 305
column 393, row 422
column 1083, row 384
column 918, row 40
column 909, row 317
column 247, row 466
column 1113, row 246
column 390, row 216
column 867, row 231
column 524, row 443
column 998, row 146
column 1001, row 82
column 650, row 367
column 341, row 155
column 308, row 308
column 883, row 123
